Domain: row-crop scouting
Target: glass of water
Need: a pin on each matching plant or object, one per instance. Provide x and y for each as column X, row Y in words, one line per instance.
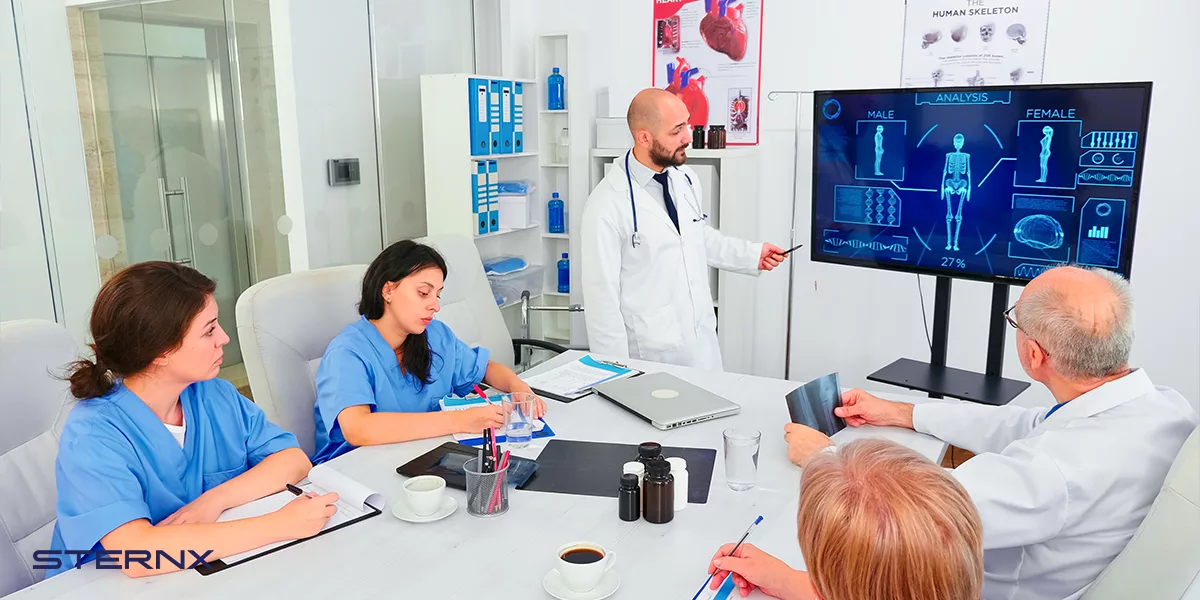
column 518, row 418
column 741, row 458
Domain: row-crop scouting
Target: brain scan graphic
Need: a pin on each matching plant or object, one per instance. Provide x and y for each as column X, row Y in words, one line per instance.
column 1039, row 231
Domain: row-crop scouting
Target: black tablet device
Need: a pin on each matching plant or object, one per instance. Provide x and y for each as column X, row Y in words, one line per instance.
column 812, row 404
column 446, row 461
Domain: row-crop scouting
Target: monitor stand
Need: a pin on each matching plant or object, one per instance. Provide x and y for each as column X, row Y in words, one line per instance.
column 941, row 381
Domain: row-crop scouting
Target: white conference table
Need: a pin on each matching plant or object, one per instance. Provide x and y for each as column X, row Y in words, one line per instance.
column 464, row 557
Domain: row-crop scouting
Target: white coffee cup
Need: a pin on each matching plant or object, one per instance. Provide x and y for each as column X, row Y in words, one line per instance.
column 584, row 576
column 424, row 494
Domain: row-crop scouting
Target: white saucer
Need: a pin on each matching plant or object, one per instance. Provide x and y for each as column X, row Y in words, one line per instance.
column 556, row 587
column 401, row 511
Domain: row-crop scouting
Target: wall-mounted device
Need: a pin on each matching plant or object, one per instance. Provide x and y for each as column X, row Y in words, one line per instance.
column 342, row 171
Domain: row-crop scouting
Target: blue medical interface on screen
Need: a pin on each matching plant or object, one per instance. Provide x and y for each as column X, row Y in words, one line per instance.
column 978, row 183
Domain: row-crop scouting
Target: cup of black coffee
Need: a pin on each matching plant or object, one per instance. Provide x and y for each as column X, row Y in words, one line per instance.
column 583, row 564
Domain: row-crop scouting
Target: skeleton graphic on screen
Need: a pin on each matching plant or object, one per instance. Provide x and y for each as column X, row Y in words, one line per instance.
column 956, row 181
column 878, row 149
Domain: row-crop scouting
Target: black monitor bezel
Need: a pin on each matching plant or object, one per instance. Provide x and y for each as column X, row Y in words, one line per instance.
column 1126, row 263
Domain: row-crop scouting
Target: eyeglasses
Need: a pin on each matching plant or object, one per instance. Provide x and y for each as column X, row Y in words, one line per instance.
column 1015, row 325
column 1011, row 321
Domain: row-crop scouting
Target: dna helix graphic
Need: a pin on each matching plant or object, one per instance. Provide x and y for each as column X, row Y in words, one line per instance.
column 1103, row 177
column 859, row 244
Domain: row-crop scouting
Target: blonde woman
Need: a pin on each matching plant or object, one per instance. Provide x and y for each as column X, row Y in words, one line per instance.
column 877, row 521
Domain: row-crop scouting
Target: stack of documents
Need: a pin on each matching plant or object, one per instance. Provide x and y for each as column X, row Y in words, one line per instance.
column 575, row 379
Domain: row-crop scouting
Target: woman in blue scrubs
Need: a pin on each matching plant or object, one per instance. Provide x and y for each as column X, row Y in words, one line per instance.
column 381, row 378
column 157, row 447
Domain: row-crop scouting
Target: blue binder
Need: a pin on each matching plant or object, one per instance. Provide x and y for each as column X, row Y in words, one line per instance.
column 494, row 91
column 493, row 197
column 518, row 114
column 478, row 91
column 479, row 188
column 506, row 117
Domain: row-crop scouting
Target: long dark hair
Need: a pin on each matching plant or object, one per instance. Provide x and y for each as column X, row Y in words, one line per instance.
column 139, row 314
column 396, row 262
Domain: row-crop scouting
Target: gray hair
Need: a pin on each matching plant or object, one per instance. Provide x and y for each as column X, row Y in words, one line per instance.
column 1077, row 349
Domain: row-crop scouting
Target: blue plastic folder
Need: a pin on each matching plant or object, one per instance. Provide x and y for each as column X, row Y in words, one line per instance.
column 454, row 402
column 494, row 92
column 506, row 117
column 493, row 199
column 480, row 139
column 726, row 589
column 518, row 115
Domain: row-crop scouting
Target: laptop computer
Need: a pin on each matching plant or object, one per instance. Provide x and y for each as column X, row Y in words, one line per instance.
column 666, row 401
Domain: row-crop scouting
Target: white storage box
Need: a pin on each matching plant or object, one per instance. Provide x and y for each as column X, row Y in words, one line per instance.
column 613, row 132
column 514, row 211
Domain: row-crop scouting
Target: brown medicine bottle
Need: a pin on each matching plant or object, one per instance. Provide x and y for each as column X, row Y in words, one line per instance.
column 659, row 492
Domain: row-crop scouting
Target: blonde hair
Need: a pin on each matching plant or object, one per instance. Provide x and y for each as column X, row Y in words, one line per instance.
column 878, row 521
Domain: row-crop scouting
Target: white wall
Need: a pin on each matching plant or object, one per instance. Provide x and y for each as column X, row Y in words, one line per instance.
column 855, row 320
column 326, row 110
column 57, row 149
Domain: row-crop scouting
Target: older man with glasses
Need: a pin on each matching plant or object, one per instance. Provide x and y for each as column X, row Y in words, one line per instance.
column 1061, row 490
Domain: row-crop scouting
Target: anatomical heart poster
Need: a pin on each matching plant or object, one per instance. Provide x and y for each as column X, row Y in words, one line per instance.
column 708, row 53
column 951, row 43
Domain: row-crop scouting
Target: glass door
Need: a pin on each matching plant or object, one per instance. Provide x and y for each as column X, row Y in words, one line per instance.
column 161, row 95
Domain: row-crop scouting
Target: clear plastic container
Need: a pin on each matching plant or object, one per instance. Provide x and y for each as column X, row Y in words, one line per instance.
column 511, row 285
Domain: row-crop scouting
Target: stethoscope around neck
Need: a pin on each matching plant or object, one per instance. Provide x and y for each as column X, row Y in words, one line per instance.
column 637, row 237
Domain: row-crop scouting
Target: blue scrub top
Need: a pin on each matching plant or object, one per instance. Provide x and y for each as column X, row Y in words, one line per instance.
column 360, row 368
column 118, row 463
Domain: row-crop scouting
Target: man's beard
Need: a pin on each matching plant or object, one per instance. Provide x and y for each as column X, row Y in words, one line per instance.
column 665, row 158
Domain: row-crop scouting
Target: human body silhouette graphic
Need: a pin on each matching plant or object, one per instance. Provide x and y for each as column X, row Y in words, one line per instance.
column 956, row 181
column 1047, row 136
column 878, row 149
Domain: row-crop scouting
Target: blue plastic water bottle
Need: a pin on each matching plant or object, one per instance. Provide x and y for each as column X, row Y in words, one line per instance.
column 555, row 99
column 564, row 275
column 556, row 220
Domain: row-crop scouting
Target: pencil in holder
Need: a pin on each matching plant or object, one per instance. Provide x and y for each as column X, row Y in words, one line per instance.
column 487, row 493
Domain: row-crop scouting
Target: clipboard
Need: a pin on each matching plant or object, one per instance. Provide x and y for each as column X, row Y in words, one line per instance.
column 219, row 565
column 589, row 372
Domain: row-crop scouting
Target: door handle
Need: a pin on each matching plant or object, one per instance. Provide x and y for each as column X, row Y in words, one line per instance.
column 163, row 195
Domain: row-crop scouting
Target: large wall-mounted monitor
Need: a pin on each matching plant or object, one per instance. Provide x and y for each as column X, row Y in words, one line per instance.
column 995, row 184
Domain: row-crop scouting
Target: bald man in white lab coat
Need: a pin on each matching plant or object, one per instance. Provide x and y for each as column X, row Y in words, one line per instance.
column 1061, row 491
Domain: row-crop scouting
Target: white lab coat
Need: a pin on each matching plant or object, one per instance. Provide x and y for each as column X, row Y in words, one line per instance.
column 653, row 302
column 1060, row 497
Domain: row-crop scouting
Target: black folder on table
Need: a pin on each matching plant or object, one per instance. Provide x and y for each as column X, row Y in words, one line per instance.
column 594, row 468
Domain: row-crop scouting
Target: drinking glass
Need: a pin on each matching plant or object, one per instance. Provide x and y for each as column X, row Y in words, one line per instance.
column 518, row 418
column 741, row 458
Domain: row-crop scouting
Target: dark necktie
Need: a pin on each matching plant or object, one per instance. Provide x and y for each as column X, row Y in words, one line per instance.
column 663, row 179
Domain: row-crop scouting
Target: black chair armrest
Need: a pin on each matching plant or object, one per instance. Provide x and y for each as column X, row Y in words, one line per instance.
column 543, row 344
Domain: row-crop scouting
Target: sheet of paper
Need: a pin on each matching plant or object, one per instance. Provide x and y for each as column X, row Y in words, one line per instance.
column 575, row 376
column 354, row 501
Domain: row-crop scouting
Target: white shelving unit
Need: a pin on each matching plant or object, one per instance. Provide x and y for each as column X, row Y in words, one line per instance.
column 449, row 168
column 562, row 170
column 730, row 181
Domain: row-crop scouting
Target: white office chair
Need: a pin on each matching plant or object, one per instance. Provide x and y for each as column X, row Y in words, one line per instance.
column 1162, row 560
column 33, row 357
column 285, row 323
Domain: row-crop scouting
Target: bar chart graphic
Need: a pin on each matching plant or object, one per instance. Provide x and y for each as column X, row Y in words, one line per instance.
column 1098, row 233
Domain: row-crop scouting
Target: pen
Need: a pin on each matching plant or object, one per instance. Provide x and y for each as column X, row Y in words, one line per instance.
column 731, row 553
column 295, row 490
column 789, row 250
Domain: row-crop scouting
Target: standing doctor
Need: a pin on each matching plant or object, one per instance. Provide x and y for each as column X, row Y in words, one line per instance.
column 647, row 247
